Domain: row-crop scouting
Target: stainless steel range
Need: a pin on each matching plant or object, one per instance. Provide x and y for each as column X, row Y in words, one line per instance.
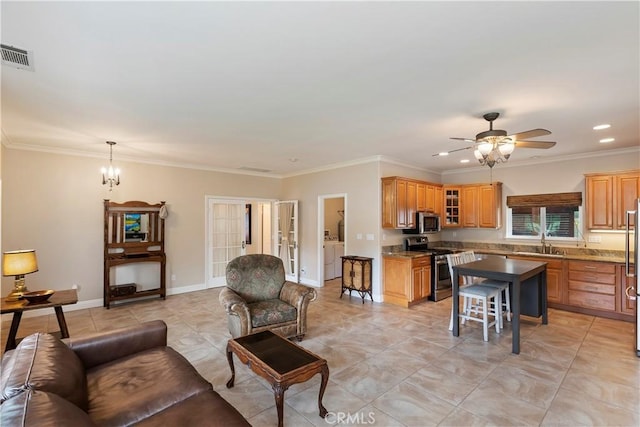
column 440, row 277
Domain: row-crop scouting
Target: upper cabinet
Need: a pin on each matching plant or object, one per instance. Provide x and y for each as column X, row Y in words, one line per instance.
column 473, row 205
column 609, row 197
column 403, row 197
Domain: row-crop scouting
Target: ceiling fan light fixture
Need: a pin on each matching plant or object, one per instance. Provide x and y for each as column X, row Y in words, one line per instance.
column 485, row 148
column 506, row 149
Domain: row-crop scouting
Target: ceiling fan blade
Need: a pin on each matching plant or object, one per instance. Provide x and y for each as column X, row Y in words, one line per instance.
column 452, row 151
column 535, row 144
column 530, row 134
column 465, row 139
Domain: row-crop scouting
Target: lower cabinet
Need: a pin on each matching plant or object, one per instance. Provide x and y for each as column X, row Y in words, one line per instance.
column 555, row 276
column 405, row 280
column 592, row 285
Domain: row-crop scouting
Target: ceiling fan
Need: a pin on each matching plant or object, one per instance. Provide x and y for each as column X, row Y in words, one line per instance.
column 494, row 145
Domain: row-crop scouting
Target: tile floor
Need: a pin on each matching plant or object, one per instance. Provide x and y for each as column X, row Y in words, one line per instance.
column 391, row 366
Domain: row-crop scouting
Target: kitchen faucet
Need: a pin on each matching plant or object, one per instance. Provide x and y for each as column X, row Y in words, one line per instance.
column 546, row 248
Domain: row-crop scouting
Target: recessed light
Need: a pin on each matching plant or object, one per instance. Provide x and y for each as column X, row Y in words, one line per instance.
column 464, row 161
column 607, row 140
column 602, row 126
column 444, row 153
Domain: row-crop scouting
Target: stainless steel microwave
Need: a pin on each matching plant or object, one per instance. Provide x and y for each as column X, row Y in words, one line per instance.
column 426, row 222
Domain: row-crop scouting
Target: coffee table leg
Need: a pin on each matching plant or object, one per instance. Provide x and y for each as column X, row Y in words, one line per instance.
column 11, row 339
column 233, row 371
column 278, row 392
column 323, row 385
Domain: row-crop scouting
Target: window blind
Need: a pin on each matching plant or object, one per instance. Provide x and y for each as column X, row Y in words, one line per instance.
column 545, row 200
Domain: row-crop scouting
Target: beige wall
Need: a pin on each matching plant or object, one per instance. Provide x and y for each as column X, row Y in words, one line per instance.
column 552, row 177
column 54, row 203
column 361, row 185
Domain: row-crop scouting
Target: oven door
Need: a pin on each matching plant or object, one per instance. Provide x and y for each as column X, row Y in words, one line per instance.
column 443, row 276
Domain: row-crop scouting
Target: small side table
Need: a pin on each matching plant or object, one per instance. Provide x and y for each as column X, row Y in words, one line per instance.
column 357, row 275
column 57, row 300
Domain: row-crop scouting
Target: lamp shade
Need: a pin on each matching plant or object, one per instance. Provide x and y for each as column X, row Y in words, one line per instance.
column 16, row 263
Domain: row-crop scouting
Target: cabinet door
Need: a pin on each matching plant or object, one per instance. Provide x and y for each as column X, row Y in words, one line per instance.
column 411, row 204
column 438, row 200
column 489, row 209
column 401, row 205
column 626, row 189
column 426, row 282
column 554, row 285
column 451, row 207
column 469, row 204
column 421, row 196
column 599, row 202
column 430, row 196
column 389, row 193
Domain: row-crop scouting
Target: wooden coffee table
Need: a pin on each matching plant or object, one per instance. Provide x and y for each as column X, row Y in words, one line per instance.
column 280, row 362
column 57, row 300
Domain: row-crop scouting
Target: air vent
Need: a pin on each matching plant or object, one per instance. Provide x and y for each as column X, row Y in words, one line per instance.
column 17, row 58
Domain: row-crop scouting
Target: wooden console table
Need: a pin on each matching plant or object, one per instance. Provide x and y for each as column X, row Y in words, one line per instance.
column 356, row 275
column 57, row 300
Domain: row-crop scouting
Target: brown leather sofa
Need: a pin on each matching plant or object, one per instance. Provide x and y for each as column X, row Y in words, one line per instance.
column 122, row 377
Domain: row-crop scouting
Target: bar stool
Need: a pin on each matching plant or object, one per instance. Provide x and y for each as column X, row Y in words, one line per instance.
column 478, row 299
column 469, row 256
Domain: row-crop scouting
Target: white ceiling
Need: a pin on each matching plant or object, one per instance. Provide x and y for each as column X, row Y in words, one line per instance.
column 254, row 84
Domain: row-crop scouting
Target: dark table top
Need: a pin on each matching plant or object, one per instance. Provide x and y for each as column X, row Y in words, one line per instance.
column 65, row 297
column 501, row 268
column 278, row 353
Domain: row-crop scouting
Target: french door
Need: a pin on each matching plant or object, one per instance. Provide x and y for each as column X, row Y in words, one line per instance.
column 225, row 237
column 286, row 239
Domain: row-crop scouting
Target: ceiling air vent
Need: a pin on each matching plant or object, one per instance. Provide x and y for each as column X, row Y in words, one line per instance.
column 17, row 58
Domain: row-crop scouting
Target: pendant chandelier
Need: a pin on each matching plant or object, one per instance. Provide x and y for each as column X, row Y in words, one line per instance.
column 110, row 175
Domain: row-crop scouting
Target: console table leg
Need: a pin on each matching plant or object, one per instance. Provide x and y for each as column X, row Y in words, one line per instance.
column 323, row 385
column 64, row 331
column 11, row 339
column 233, row 371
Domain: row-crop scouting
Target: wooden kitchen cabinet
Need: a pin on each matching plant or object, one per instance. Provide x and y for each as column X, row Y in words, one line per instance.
column 592, row 285
column 438, row 199
column 609, row 197
column 403, row 197
column 406, row 281
column 469, row 206
column 555, row 277
column 452, row 207
column 473, row 205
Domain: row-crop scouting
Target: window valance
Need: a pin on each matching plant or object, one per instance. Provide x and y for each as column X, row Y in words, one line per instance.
column 545, row 200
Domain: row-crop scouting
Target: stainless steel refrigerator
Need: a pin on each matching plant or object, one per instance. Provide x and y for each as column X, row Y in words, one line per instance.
column 631, row 264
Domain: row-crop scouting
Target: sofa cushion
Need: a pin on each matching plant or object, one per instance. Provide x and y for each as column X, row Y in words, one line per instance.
column 132, row 388
column 272, row 311
column 206, row 409
column 43, row 362
column 42, row 409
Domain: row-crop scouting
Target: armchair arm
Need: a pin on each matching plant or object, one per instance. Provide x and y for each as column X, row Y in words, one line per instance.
column 296, row 294
column 103, row 347
column 238, row 315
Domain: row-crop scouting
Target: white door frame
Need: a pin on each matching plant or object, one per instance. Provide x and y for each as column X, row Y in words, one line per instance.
column 320, row 249
column 230, row 199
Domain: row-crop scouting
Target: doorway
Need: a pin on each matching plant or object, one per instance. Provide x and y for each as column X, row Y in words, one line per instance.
column 332, row 220
column 235, row 227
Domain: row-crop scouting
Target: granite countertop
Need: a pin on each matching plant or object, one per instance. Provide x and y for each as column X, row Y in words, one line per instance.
column 571, row 257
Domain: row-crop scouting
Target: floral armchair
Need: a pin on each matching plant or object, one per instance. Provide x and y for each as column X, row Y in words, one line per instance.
column 258, row 297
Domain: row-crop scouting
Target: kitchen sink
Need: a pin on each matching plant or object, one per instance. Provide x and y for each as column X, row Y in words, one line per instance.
column 539, row 254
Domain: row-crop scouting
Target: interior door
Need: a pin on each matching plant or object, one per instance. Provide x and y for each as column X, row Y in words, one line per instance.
column 286, row 239
column 225, row 237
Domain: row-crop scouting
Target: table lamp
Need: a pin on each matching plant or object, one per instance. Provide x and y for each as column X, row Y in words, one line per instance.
column 19, row 263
